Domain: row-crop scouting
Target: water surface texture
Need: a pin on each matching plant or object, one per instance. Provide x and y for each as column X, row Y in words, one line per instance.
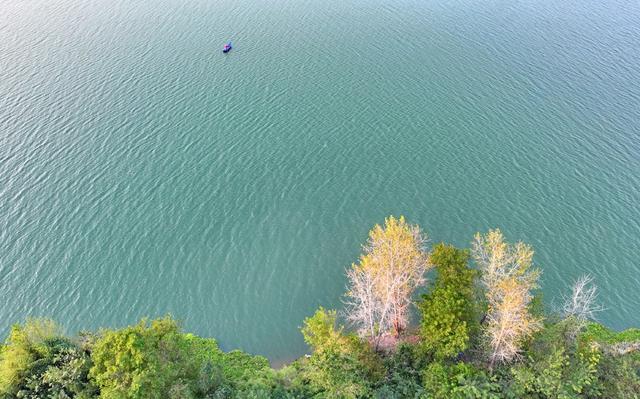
column 143, row 172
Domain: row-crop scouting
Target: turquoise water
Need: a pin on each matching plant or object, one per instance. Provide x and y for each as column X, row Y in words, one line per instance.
column 142, row 172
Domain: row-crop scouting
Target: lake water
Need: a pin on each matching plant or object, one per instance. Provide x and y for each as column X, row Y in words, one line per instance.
column 143, row 172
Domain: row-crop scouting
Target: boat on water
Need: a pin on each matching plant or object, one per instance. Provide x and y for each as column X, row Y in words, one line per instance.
column 227, row 47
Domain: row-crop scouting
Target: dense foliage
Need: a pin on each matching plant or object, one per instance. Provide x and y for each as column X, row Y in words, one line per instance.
column 466, row 344
column 448, row 311
column 38, row 362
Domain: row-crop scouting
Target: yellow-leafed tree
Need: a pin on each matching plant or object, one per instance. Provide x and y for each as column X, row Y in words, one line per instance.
column 382, row 283
column 508, row 279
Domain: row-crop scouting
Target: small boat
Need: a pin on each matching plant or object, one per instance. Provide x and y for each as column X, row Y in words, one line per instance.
column 227, row 47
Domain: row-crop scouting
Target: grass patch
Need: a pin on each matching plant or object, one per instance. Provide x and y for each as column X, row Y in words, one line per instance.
column 599, row 333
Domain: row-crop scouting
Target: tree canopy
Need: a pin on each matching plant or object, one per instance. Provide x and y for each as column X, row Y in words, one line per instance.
column 448, row 311
column 382, row 283
column 481, row 334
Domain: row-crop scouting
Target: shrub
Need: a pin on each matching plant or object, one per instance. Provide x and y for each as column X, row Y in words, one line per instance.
column 556, row 367
column 619, row 376
column 403, row 377
column 458, row 381
column 341, row 365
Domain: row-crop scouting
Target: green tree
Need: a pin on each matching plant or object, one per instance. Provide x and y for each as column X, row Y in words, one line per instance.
column 341, row 365
column 147, row 360
column 448, row 311
column 156, row 360
column 38, row 362
column 250, row 376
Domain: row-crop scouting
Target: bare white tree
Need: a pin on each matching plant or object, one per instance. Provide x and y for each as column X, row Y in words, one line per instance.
column 581, row 306
column 508, row 279
column 508, row 321
column 382, row 283
column 362, row 304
